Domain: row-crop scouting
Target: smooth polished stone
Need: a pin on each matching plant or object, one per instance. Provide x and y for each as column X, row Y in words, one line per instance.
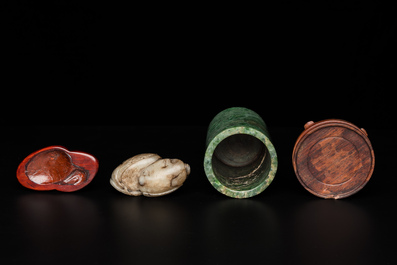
column 149, row 175
column 240, row 160
column 56, row 168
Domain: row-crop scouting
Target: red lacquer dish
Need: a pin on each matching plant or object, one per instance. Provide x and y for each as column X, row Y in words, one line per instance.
column 56, row 168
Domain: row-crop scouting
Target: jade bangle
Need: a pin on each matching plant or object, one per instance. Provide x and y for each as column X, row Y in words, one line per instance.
column 240, row 160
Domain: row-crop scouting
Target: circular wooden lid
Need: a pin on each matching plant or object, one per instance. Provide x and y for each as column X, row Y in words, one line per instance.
column 333, row 158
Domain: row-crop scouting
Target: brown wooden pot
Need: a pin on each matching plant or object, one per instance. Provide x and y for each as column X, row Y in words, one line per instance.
column 333, row 158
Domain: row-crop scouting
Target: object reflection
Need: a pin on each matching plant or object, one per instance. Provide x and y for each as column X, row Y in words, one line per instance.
column 240, row 226
column 156, row 224
column 330, row 232
column 57, row 224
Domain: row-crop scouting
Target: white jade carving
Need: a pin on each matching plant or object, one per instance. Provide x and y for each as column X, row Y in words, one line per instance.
column 149, row 175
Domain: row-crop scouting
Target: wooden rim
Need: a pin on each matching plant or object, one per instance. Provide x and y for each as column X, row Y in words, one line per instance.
column 301, row 158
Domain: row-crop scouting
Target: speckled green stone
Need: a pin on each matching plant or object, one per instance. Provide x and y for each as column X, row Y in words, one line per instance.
column 243, row 128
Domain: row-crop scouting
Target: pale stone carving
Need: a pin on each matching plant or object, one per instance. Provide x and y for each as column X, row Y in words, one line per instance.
column 149, row 175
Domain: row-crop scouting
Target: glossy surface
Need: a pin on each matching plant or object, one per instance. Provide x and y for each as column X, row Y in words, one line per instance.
column 149, row 175
column 195, row 224
column 57, row 168
column 240, row 160
column 333, row 158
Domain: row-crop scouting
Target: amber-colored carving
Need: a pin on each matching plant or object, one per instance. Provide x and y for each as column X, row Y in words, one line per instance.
column 57, row 168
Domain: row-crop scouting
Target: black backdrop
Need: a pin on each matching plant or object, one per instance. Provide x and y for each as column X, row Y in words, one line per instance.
column 74, row 63
column 93, row 62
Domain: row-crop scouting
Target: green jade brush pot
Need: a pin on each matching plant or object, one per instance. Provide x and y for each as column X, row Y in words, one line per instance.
column 240, row 160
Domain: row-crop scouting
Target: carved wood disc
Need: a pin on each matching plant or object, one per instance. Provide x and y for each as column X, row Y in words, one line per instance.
column 333, row 158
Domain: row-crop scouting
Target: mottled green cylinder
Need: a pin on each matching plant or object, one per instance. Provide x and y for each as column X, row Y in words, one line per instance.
column 240, row 160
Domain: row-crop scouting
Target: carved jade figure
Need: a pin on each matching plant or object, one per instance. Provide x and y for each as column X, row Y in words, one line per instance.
column 149, row 175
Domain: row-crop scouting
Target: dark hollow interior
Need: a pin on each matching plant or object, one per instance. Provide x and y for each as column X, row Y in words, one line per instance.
column 241, row 162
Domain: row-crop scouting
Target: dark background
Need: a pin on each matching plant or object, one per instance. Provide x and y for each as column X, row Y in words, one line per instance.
column 94, row 62
column 196, row 224
column 116, row 80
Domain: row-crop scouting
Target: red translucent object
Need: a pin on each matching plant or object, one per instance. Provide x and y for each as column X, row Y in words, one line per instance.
column 56, row 168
